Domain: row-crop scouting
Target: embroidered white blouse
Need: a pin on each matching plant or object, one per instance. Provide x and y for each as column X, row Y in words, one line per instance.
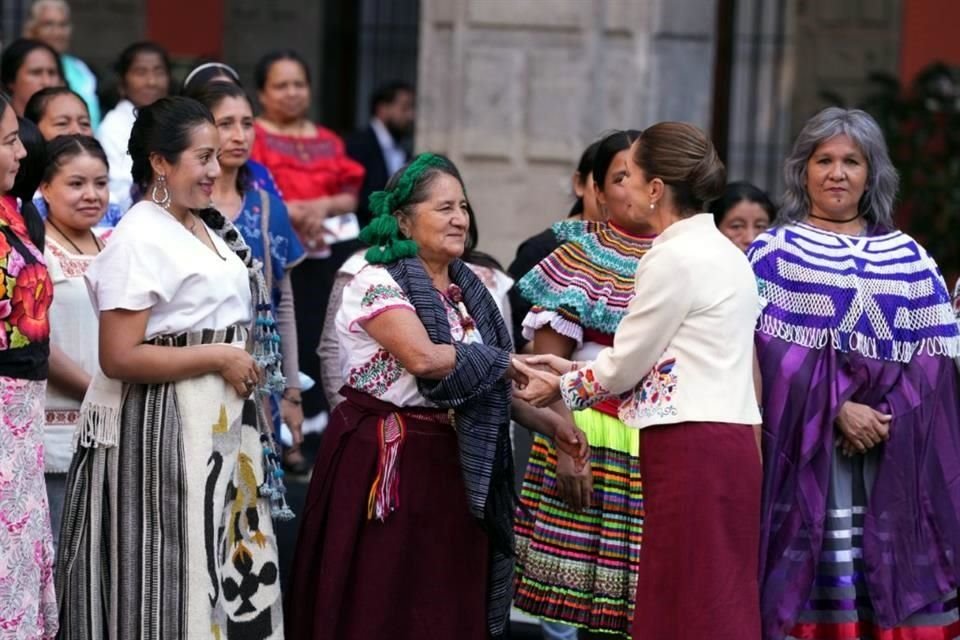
column 366, row 366
column 684, row 351
column 74, row 329
column 153, row 262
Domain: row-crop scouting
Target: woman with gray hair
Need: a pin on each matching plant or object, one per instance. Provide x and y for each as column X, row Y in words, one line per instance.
column 50, row 23
column 860, row 532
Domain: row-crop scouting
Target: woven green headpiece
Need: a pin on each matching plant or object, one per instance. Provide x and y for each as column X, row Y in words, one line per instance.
column 383, row 232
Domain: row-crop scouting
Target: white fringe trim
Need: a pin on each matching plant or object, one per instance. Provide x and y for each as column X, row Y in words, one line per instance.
column 857, row 342
column 539, row 319
column 99, row 426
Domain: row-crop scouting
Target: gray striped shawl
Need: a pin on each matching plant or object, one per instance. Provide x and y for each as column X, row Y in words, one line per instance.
column 480, row 396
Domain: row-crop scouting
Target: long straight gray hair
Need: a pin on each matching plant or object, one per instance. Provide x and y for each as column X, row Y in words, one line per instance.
column 876, row 205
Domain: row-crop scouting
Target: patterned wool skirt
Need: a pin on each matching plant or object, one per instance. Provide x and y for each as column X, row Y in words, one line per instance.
column 839, row 606
column 165, row 535
column 580, row 568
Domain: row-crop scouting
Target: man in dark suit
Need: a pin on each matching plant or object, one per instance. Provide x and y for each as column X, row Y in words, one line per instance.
column 381, row 147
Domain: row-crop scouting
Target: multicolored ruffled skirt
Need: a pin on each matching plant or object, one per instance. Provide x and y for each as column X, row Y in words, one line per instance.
column 580, row 568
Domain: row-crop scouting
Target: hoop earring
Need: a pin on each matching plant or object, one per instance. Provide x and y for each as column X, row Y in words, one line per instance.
column 161, row 199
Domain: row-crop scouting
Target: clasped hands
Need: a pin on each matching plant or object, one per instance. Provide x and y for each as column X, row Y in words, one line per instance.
column 537, row 382
column 861, row 428
column 537, row 378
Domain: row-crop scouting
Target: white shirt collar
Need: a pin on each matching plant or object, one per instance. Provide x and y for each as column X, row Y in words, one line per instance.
column 393, row 154
column 384, row 138
column 686, row 225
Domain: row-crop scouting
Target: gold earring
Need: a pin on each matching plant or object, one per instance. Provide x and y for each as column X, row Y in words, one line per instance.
column 161, row 198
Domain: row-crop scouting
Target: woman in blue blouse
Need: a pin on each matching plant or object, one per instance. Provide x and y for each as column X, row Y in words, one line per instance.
column 262, row 219
column 210, row 73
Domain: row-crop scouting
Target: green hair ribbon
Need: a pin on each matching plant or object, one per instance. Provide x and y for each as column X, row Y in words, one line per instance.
column 383, row 232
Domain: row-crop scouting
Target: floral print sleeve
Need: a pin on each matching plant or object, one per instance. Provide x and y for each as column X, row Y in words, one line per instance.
column 25, row 288
column 370, row 293
column 580, row 389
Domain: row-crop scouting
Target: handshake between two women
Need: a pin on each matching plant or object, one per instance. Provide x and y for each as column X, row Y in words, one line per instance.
column 537, row 404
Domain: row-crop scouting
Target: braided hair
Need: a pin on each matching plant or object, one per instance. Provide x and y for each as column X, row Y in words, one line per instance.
column 164, row 128
column 406, row 188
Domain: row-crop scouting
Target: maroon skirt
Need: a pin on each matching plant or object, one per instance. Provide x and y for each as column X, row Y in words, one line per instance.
column 698, row 565
column 422, row 573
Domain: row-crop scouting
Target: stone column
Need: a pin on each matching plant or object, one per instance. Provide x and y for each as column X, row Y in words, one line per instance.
column 513, row 91
column 792, row 59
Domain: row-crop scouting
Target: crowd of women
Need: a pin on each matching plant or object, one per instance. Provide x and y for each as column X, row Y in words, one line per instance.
column 746, row 416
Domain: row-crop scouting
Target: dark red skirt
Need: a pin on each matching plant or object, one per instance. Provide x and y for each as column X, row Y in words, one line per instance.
column 420, row 574
column 698, row 564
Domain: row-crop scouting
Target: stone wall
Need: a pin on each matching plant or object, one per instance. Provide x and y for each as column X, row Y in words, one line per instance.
column 512, row 92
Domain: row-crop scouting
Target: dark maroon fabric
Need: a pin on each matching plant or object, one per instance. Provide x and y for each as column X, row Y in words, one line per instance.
column 421, row 574
column 698, row 566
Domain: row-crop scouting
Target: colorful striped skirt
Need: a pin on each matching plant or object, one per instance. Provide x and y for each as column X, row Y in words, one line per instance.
column 580, row 568
column 839, row 605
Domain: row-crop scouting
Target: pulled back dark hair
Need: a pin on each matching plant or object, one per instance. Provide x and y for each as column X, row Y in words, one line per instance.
column 584, row 169
column 737, row 192
column 36, row 107
column 607, row 149
column 29, row 175
column 14, row 56
column 206, row 73
column 683, row 157
column 262, row 70
column 163, row 128
column 129, row 55
column 63, row 149
column 211, row 95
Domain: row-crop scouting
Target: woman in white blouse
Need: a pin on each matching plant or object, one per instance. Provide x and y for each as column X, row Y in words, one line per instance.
column 74, row 189
column 682, row 366
column 171, row 492
column 144, row 72
column 407, row 526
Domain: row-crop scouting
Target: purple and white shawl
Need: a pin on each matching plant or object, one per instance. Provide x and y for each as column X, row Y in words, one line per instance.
column 881, row 296
column 869, row 320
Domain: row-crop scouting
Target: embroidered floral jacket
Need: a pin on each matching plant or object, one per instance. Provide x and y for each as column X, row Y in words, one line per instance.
column 684, row 351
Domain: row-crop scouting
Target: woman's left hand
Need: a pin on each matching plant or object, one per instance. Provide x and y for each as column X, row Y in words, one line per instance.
column 861, row 427
column 542, row 388
column 570, row 439
column 308, row 217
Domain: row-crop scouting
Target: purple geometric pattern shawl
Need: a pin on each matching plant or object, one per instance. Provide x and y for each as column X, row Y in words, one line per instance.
column 912, row 525
column 881, row 296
